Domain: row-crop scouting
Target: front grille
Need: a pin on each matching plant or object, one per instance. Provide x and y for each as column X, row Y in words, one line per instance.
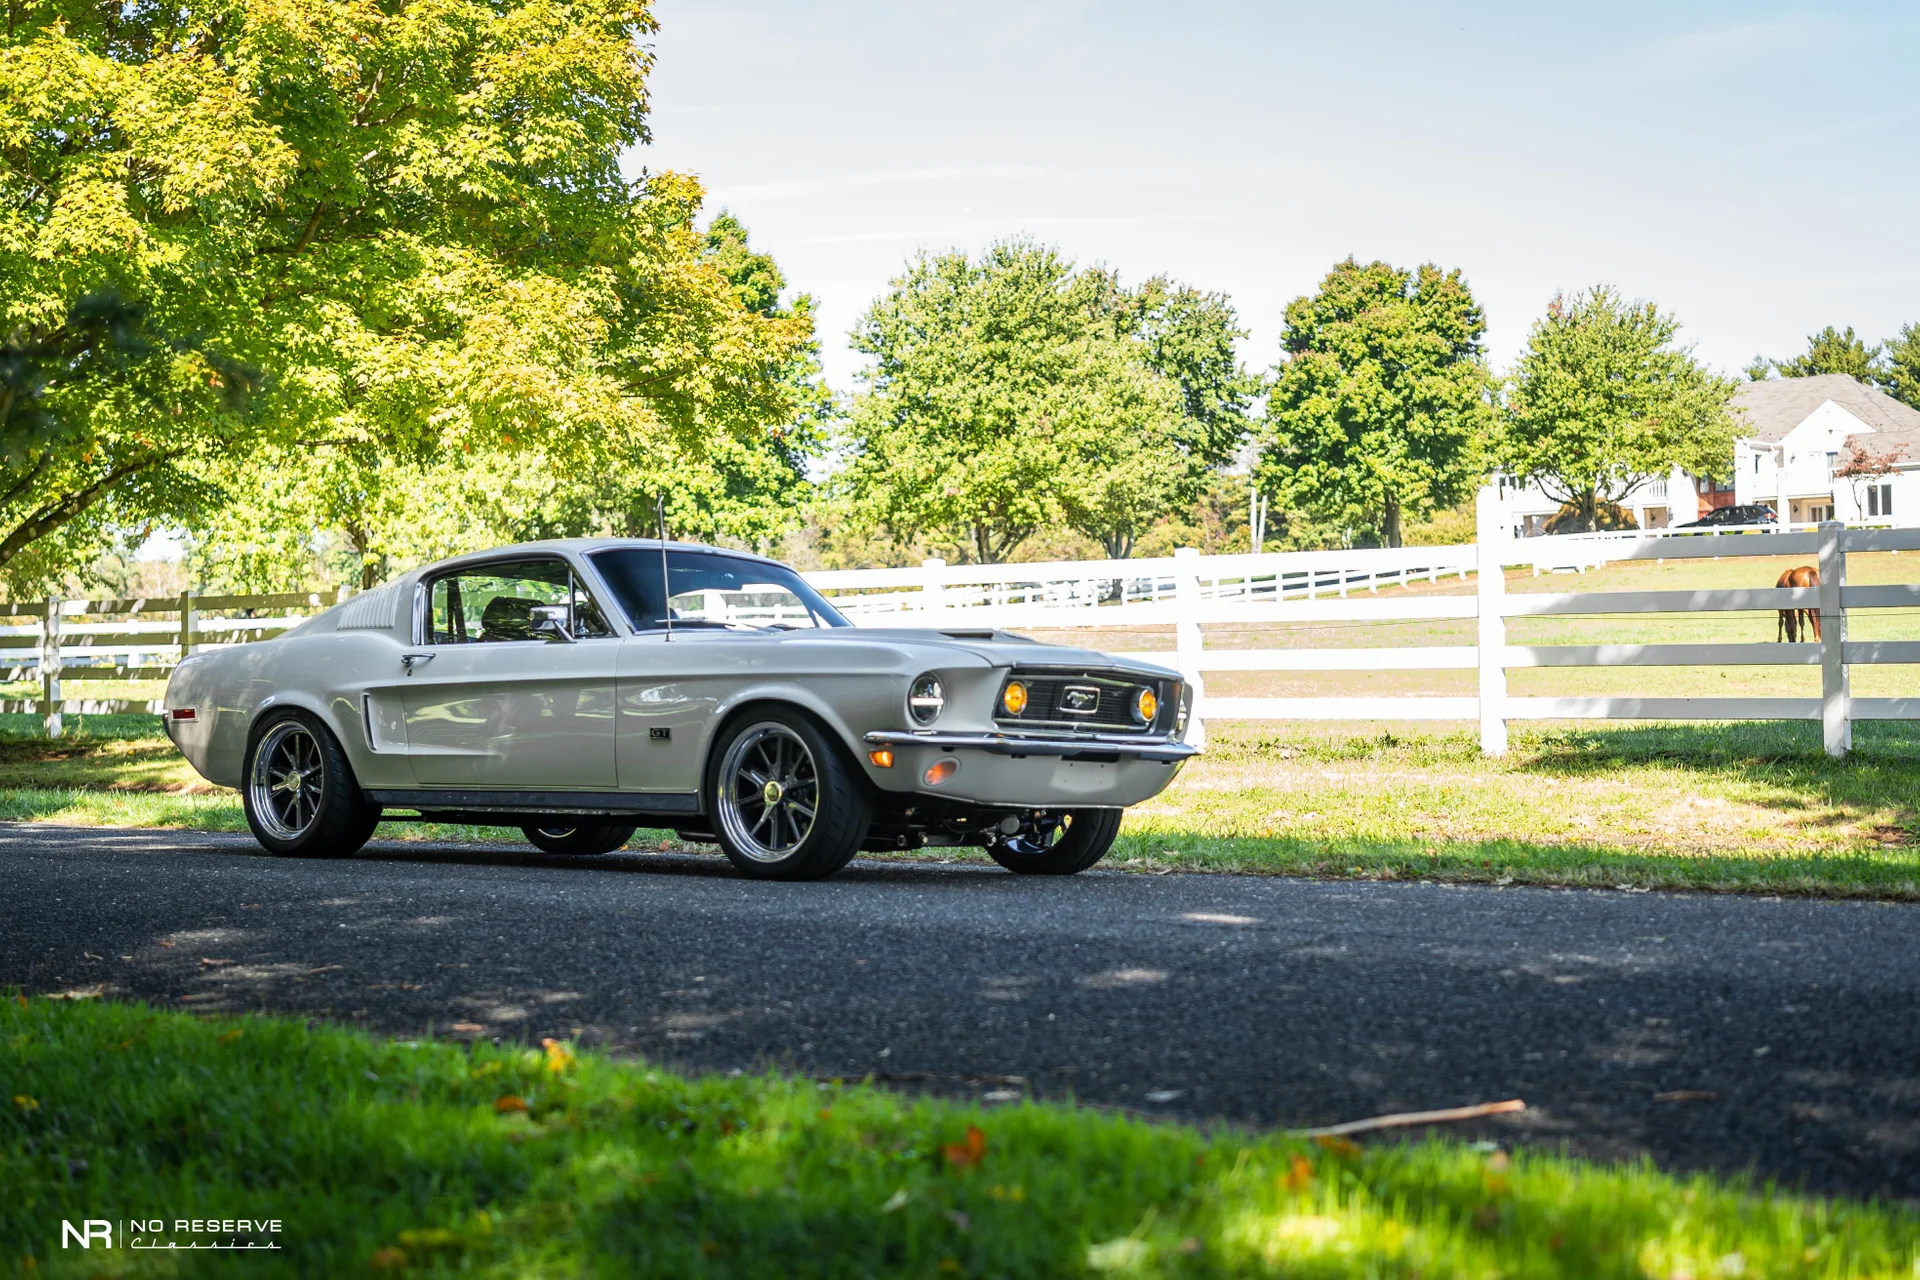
column 1048, row 694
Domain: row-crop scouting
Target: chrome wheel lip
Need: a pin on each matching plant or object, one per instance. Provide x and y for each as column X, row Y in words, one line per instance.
column 769, row 792
column 287, row 780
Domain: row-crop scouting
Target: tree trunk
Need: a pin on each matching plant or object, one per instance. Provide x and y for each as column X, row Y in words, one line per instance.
column 1118, row 545
column 1391, row 528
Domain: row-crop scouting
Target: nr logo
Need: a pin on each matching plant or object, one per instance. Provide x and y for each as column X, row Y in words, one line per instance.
column 86, row 1233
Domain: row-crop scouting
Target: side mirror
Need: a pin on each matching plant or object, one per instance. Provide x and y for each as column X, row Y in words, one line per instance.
column 550, row 621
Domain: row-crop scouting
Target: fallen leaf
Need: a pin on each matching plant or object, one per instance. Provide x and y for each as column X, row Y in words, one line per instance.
column 469, row 1028
column 964, row 1155
column 228, row 1037
column 1337, row 1145
column 1687, row 1095
column 1299, row 1172
column 509, row 1102
column 165, row 943
column 559, row 1057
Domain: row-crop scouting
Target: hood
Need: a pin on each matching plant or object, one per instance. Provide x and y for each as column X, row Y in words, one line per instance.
column 994, row 647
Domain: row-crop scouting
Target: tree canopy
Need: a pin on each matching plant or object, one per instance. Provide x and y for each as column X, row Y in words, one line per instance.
column 1380, row 407
column 1903, row 365
column 1603, row 398
column 379, row 237
column 1016, row 392
column 1835, row 351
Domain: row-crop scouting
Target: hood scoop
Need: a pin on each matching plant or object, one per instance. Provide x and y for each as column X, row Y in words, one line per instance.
column 986, row 634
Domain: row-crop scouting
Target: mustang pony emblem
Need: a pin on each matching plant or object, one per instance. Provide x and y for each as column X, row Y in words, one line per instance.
column 1080, row 699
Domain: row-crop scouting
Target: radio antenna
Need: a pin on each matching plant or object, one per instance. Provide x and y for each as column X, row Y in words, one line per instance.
column 666, row 590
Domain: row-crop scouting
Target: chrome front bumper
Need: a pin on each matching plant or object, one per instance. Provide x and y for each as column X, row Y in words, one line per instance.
column 1165, row 750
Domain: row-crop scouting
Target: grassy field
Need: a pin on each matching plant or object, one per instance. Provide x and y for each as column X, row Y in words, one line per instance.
column 431, row 1157
column 1750, row 807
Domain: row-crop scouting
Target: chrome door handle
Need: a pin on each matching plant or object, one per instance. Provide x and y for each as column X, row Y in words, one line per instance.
column 408, row 660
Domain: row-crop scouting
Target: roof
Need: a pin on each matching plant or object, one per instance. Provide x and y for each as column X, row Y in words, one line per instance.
column 549, row 546
column 1769, row 409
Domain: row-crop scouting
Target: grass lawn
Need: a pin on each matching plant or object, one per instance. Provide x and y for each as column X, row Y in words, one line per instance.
column 1749, row 807
column 1752, row 807
column 382, row 1157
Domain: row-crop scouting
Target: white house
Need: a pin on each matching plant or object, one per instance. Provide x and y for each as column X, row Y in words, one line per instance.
column 1796, row 432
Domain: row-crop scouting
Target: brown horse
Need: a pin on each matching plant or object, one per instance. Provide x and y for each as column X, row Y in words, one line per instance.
column 1797, row 622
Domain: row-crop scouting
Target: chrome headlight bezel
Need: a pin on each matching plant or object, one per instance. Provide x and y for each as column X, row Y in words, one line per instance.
column 926, row 699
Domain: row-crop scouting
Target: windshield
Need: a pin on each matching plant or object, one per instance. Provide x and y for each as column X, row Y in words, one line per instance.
column 711, row 589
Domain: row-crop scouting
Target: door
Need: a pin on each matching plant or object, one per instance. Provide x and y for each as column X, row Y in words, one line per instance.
column 512, row 688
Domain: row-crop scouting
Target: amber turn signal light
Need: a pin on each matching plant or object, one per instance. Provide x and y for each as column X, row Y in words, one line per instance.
column 1014, row 698
column 1146, row 706
column 882, row 757
column 939, row 771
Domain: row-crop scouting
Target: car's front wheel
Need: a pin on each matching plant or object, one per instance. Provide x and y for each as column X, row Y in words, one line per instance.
column 784, row 803
column 300, row 796
column 1060, row 846
column 588, row 838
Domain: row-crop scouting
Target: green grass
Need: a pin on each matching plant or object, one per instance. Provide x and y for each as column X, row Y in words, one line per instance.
column 379, row 1157
column 1747, row 807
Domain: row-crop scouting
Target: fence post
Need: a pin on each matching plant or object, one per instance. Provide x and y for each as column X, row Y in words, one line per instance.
column 932, row 576
column 1836, row 712
column 1186, row 635
column 50, row 694
column 1492, row 590
column 189, row 622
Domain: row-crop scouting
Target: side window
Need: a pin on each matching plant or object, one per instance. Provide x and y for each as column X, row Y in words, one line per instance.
column 497, row 603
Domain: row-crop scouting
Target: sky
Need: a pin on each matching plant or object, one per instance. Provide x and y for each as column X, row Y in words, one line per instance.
column 1754, row 168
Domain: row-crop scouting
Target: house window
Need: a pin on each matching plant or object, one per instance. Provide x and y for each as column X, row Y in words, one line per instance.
column 1756, row 464
column 1879, row 500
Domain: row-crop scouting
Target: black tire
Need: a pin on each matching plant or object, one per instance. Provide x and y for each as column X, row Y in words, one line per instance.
column 587, row 838
column 1082, row 839
column 764, row 771
column 299, row 792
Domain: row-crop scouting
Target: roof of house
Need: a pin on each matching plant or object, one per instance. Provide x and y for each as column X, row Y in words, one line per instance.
column 1768, row 410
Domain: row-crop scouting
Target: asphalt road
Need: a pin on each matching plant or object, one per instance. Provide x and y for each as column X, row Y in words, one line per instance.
column 1254, row 1001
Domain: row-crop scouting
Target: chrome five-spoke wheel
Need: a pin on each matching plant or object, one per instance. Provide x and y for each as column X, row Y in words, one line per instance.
column 769, row 792
column 287, row 779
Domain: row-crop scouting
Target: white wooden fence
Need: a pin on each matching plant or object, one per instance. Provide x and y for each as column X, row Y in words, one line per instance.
column 88, row 640
column 1189, row 592
column 59, row 640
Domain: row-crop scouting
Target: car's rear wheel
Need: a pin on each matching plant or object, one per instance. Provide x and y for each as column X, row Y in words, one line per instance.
column 300, row 797
column 1068, row 843
column 785, row 804
column 586, row 838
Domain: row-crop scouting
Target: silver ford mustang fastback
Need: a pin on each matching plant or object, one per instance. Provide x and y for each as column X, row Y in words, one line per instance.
column 582, row 689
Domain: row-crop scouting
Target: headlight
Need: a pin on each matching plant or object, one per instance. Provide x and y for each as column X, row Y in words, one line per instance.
column 1146, row 705
column 925, row 699
column 1013, row 698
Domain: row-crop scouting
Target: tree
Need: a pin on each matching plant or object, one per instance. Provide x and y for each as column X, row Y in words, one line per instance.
column 301, row 511
column 408, row 220
column 1016, row 393
column 1380, row 407
column 1602, row 400
column 1903, row 366
column 1834, row 351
